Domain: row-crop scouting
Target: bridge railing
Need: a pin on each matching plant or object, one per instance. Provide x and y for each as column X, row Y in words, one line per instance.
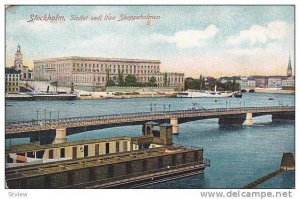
column 166, row 114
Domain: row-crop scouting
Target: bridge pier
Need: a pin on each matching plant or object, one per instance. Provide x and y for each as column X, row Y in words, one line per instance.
column 60, row 136
column 249, row 119
column 175, row 126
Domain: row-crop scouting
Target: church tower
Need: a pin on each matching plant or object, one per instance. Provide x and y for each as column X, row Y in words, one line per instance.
column 289, row 69
column 18, row 59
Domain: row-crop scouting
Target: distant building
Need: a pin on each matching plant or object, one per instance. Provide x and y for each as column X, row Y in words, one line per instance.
column 275, row 82
column 246, row 83
column 94, row 71
column 289, row 68
column 225, row 79
column 261, row 81
column 210, row 81
column 25, row 73
column 12, row 80
column 288, row 83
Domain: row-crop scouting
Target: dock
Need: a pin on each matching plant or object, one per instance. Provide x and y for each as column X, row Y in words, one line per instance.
column 263, row 179
column 287, row 164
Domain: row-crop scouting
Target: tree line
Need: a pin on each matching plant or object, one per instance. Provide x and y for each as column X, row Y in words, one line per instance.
column 204, row 84
column 129, row 81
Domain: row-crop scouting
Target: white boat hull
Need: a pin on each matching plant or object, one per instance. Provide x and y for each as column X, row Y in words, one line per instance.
column 196, row 94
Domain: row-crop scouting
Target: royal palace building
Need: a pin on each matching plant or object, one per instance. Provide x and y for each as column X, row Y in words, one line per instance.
column 94, row 71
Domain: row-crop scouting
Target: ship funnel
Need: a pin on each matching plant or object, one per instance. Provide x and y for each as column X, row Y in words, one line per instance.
column 215, row 88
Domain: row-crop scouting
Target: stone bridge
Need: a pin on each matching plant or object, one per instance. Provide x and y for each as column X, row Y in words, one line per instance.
column 59, row 129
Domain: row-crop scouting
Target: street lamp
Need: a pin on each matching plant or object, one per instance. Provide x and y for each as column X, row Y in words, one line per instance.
column 50, row 114
column 37, row 114
column 45, row 112
column 58, row 114
column 150, row 107
column 169, row 107
column 226, row 104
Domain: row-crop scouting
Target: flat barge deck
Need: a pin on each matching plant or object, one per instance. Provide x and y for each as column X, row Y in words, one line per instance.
column 111, row 170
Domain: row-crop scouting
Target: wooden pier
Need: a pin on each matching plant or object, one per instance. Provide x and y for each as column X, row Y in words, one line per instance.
column 287, row 164
column 263, row 179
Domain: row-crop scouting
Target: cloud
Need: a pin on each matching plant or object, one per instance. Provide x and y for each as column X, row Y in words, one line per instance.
column 36, row 27
column 188, row 38
column 257, row 35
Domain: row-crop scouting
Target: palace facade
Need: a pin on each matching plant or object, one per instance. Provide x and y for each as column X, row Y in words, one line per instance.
column 92, row 71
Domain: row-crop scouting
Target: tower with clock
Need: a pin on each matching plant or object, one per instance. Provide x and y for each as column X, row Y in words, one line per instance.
column 18, row 59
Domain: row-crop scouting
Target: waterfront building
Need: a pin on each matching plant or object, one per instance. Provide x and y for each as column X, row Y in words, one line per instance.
column 288, row 83
column 96, row 71
column 226, row 79
column 210, row 81
column 275, row 82
column 12, row 79
column 246, row 83
column 25, row 73
column 261, row 81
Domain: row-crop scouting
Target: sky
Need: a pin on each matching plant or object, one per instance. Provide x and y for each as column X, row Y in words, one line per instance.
column 208, row 40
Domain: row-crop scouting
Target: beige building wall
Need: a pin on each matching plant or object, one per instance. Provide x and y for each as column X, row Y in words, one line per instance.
column 12, row 84
column 90, row 71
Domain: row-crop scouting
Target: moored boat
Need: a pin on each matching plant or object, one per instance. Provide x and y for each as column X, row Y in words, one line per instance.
column 205, row 93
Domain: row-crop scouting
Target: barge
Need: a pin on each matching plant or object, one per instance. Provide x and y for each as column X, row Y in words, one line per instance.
column 108, row 171
column 123, row 162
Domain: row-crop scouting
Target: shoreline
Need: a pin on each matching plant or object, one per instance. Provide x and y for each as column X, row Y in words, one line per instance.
column 22, row 97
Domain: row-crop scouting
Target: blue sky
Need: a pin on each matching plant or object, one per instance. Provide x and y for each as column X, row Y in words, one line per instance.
column 211, row 40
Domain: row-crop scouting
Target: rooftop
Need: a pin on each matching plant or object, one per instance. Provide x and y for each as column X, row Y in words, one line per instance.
column 21, row 148
column 77, row 58
column 11, row 71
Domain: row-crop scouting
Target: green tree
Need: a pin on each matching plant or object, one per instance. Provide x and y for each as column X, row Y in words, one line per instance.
column 165, row 79
column 120, row 78
column 107, row 76
column 110, row 82
column 201, row 82
column 152, row 81
column 131, row 80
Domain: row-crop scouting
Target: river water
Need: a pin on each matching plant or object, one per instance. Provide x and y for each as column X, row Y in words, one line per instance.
column 238, row 156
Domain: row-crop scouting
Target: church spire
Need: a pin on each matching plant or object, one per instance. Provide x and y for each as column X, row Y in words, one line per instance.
column 19, row 48
column 289, row 69
column 290, row 64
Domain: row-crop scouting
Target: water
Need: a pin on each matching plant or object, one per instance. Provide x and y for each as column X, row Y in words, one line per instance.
column 238, row 156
